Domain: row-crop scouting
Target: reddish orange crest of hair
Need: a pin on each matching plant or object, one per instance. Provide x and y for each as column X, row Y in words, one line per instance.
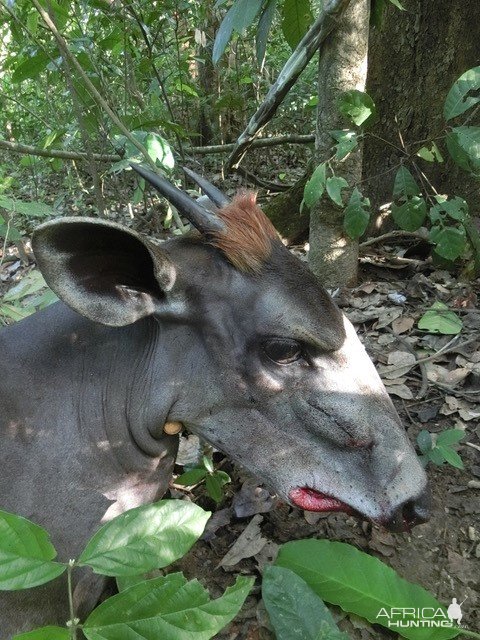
column 247, row 240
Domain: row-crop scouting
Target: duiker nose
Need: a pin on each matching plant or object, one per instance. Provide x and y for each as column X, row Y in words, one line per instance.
column 410, row 513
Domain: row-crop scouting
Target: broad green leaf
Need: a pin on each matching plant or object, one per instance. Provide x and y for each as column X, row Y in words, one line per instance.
column 463, row 144
column 145, row 538
column 45, row 633
column 450, row 456
column 295, row 611
column 438, row 319
column 435, row 456
column 357, row 106
column 315, row 187
column 450, row 436
column 450, row 242
column 431, row 154
column 238, row 18
column 334, row 185
column 296, row 20
column 28, row 209
column 356, row 215
column 14, row 312
column 359, row 584
column 263, row 29
column 411, row 214
column 424, row 441
column 193, row 476
column 214, row 486
column 456, row 208
column 462, row 94
column 31, row 67
column 347, row 141
column 125, row 582
column 28, row 285
column 159, row 150
column 208, row 464
column 169, row 608
column 26, row 554
column 405, row 184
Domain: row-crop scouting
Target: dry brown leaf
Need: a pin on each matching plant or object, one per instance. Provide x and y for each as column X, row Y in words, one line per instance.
column 399, row 363
column 402, row 324
column 249, row 543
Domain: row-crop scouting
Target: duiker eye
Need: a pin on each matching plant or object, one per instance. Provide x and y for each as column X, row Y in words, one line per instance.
column 282, row 350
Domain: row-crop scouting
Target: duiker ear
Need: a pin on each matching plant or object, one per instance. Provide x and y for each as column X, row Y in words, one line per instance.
column 102, row 270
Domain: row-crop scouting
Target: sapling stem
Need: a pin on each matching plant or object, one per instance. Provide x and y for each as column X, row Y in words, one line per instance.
column 73, row 622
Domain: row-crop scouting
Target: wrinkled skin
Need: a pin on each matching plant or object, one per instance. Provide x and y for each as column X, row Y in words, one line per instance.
column 84, row 404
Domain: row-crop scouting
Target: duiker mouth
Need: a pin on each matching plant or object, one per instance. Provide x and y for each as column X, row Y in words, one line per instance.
column 403, row 518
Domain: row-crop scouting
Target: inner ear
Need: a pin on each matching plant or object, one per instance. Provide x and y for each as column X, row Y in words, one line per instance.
column 105, row 260
column 102, row 270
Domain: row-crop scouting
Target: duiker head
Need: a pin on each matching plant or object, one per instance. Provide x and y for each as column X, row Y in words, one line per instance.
column 267, row 368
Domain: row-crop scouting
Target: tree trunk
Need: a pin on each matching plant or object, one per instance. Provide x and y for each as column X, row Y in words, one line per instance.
column 343, row 66
column 414, row 59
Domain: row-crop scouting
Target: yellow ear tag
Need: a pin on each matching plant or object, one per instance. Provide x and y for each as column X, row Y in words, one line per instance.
column 172, row 428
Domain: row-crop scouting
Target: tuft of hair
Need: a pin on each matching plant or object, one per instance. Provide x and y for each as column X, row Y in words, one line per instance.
column 249, row 235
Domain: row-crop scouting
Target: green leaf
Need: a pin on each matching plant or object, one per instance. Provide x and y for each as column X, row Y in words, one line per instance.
column 238, row 18
column 125, row 582
column 458, row 99
column 169, row 608
column 456, row 208
column 315, row 187
column 463, row 144
column 438, row 319
column 357, row 106
column 208, row 464
column 398, row 4
column 31, row 67
column 45, row 633
column 159, row 150
column 424, row 441
column 405, row 184
column 334, row 185
column 295, row 611
column 296, row 20
column 145, row 538
column 193, row 476
column 28, row 285
column 356, row 215
column 28, row 209
column 450, row 456
column 450, row 242
column 347, row 141
column 435, row 456
column 431, row 154
column 264, row 25
column 359, row 584
column 450, row 436
column 214, row 487
column 411, row 214
column 26, row 554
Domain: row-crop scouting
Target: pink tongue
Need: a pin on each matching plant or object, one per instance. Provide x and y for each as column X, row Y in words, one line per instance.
column 311, row 500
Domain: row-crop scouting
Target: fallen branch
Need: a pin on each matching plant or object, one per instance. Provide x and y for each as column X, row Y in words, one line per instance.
column 27, row 149
column 259, row 142
column 398, row 233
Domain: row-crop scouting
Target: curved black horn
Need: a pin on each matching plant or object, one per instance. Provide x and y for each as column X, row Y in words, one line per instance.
column 215, row 195
column 203, row 220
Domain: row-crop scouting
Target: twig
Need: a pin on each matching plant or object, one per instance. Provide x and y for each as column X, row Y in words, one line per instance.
column 305, row 50
column 399, row 233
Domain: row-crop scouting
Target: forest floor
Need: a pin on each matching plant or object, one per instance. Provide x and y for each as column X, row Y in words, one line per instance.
column 440, row 392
